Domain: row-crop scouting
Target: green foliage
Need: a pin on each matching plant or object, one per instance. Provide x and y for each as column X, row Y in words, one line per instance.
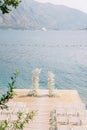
column 3, row 125
column 10, row 93
column 20, row 123
column 23, row 120
column 6, row 5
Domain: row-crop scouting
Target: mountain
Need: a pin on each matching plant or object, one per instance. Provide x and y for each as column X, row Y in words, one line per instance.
column 34, row 15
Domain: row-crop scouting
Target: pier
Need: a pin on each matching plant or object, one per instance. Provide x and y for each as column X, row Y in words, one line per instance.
column 66, row 102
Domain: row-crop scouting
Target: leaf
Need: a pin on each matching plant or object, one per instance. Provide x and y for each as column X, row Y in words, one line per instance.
column 1, row 128
column 10, row 93
column 12, row 78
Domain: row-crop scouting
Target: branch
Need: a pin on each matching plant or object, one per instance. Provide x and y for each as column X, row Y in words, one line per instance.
column 7, row 5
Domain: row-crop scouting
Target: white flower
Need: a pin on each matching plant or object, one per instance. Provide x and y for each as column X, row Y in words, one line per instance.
column 51, row 83
column 35, row 81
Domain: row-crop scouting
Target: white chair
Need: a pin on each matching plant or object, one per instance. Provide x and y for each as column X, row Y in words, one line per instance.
column 74, row 120
column 62, row 120
column 60, row 111
column 38, row 126
column 71, row 112
column 7, row 112
column 79, row 106
column 82, row 113
column 63, row 127
column 79, row 127
column 84, row 121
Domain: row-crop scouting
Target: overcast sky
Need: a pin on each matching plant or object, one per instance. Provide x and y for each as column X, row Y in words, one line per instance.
column 78, row 4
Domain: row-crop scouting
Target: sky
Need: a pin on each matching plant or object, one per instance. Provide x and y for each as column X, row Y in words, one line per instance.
column 77, row 4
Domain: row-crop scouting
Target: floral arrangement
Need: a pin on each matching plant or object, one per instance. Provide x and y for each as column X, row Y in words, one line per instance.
column 53, row 120
column 35, row 81
column 51, row 83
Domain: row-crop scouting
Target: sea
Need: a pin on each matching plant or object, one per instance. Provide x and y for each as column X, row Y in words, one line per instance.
column 62, row 52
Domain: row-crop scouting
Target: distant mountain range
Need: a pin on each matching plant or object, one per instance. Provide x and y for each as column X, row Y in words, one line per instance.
column 43, row 16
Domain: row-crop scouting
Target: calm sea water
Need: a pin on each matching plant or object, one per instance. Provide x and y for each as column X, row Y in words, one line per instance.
column 62, row 52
